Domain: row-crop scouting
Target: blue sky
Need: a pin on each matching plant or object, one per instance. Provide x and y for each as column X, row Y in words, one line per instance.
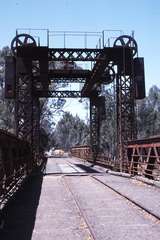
column 142, row 16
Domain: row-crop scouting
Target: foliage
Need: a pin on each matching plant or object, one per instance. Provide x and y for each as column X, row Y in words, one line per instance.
column 70, row 131
column 108, row 125
column 6, row 105
column 148, row 116
column 7, row 115
column 148, row 119
column 48, row 110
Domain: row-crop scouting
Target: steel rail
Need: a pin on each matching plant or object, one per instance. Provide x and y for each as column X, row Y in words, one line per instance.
column 81, row 212
column 127, row 198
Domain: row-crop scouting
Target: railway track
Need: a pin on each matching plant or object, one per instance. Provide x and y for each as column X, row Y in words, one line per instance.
column 93, row 176
column 136, row 209
column 127, row 198
column 92, row 235
column 81, row 205
column 92, row 173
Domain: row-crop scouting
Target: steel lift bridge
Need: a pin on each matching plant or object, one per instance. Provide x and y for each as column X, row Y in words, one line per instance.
column 29, row 75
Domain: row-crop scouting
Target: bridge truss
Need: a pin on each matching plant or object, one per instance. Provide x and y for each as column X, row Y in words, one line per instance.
column 32, row 76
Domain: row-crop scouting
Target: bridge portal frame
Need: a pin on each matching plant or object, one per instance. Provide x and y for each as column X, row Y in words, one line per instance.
column 32, row 67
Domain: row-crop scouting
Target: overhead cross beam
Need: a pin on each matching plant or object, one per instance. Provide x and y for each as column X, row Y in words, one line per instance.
column 74, row 54
column 67, row 80
column 69, row 73
column 58, row 94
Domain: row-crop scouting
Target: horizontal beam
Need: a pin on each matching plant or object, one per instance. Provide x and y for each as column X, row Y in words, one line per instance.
column 58, row 94
column 68, row 80
column 69, row 73
column 144, row 145
column 59, row 54
column 74, row 54
column 151, row 140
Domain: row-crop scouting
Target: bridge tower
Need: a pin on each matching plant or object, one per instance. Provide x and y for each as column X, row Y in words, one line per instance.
column 32, row 77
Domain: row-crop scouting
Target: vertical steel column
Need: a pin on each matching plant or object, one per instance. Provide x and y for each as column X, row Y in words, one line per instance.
column 23, row 100
column 36, row 128
column 27, row 112
column 94, row 130
column 126, row 128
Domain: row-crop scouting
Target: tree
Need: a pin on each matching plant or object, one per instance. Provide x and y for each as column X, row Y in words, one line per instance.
column 108, row 126
column 48, row 111
column 148, row 117
column 70, row 131
column 6, row 105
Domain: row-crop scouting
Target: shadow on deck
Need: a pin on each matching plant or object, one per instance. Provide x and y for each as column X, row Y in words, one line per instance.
column 87, row 169
column 21, row 212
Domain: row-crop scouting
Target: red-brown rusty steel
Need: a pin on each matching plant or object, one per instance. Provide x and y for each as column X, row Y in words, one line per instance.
column 35, row 67
column 144, row 157
column 85, row 152
column 16, row 163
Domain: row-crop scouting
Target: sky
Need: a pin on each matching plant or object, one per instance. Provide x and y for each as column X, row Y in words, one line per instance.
column 142, row 16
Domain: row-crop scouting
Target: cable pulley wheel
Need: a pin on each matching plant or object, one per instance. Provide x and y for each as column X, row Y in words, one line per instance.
column 109, row 75
column 126, row 41
column 22, row 40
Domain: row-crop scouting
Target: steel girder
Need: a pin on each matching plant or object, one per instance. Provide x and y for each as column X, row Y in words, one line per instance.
column 32, row 84
column 58, row 94
column 125, row 108
column 68, row 80
column 27, row 113
column 94, row 129
column 36, row 128
column 125, row 95
column 69, row 73
column 23, row 103
column 143, row 156
column 74, row 54
column 26, row 106
column 126, row 124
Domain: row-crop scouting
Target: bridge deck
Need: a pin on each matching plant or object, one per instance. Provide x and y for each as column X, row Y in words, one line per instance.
column 71, row 202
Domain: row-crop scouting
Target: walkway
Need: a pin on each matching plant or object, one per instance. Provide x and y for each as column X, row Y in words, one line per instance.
column 73, row 201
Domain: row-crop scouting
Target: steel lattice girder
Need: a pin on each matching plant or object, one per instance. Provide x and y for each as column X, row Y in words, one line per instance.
column 74, row 54
column 69, row 73
column 27, row 106
column 144, row 152
column 36, row 127
column 119, row 56
column 58, row 94
column 147, row 142
column 60, row 54
column 126, row 127
column 23, row 106
column 94, row 129
column 68, row 80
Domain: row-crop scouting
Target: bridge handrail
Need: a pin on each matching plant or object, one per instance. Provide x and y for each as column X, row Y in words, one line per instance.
column 16, row 163
column 85, row 152
column 143, row 157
